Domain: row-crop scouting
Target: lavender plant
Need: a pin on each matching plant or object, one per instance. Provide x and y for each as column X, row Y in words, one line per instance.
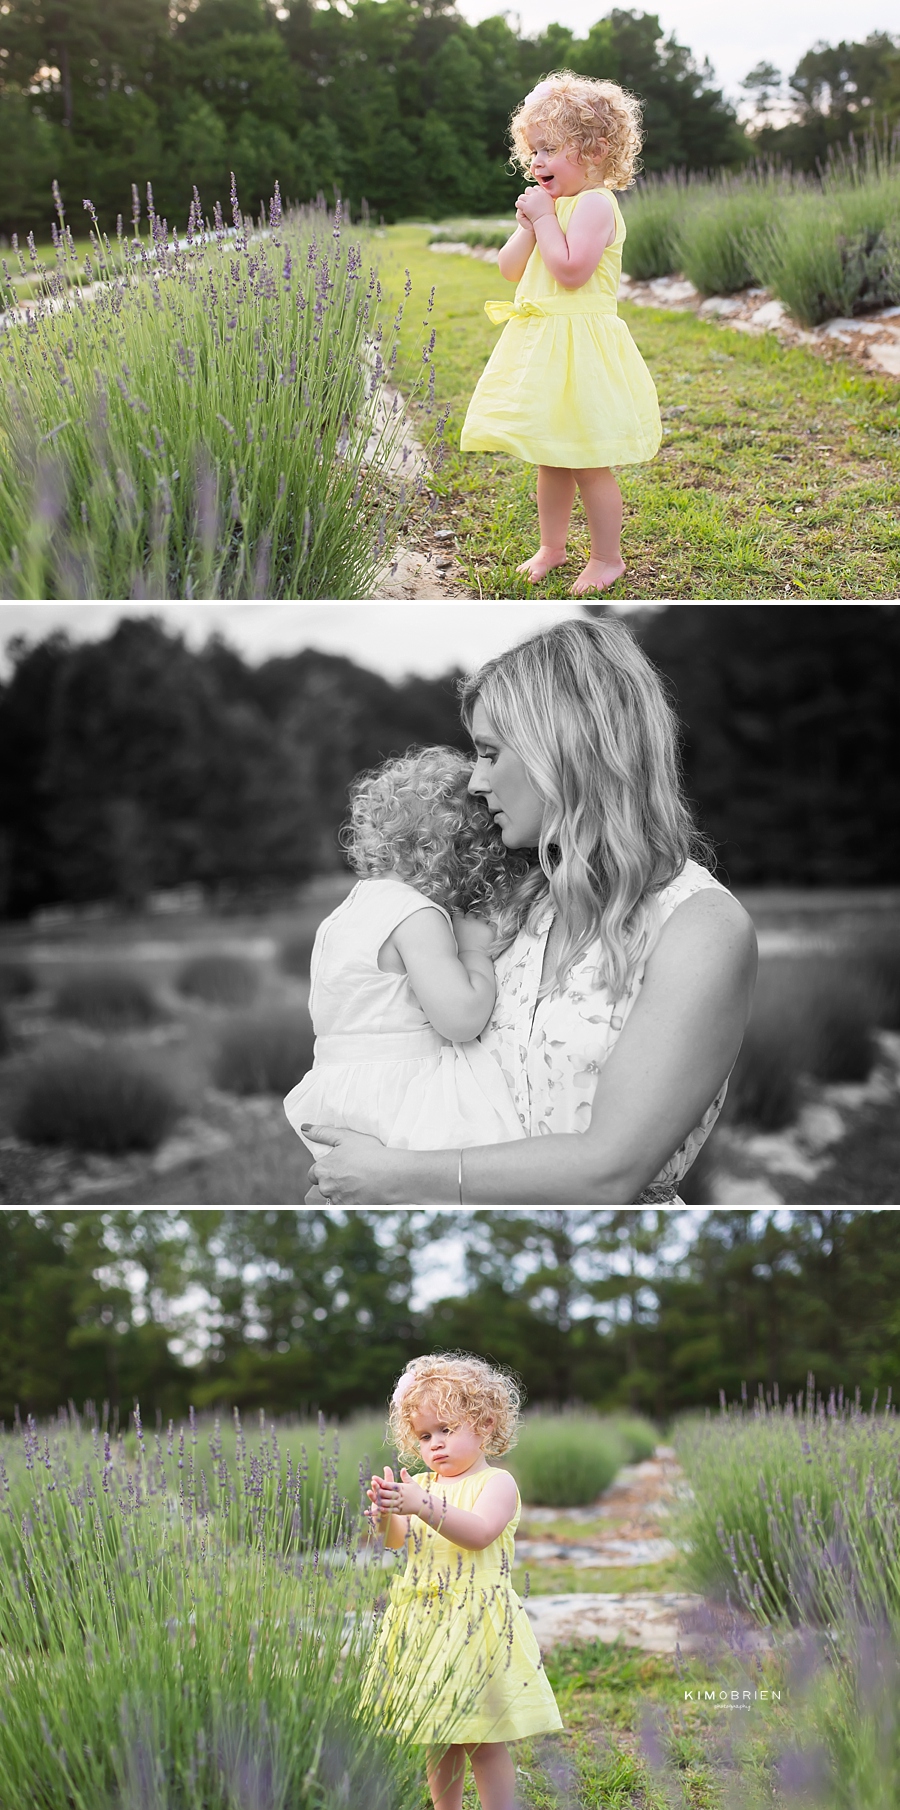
column 207, row 416
column 767, row 1475
column 815, row 1544
column 181, row 1633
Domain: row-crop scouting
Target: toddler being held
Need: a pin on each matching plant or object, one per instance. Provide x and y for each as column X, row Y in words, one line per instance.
column 402, row 979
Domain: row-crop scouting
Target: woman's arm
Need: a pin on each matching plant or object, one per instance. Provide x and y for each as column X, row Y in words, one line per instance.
column 676, row 1049
column 571, row 257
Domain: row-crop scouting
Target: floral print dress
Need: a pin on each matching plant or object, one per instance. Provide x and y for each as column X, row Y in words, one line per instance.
column 551, row 1050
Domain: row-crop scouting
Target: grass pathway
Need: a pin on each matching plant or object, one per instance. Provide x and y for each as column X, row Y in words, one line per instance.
column 778, row 474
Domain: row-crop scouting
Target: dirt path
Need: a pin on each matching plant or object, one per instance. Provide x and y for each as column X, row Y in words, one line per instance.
column 627, row 1526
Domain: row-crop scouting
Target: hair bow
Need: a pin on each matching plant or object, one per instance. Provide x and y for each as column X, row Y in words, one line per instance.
column 535, row 94
column 404, row 1385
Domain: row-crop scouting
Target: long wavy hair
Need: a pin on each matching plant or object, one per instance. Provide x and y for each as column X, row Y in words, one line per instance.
column 586, row 712
column 414, row 817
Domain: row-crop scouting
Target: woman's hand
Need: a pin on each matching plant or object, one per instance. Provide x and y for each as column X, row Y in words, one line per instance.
column 358, row 1172
column 533, row 205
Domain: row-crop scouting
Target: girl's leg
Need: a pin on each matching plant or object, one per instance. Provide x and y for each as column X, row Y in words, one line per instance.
column 555, row 496
column 446, row 1768
column 495, row 1775
column 602, row 500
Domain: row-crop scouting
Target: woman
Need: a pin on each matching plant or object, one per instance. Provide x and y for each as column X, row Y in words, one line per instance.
column 627, row 977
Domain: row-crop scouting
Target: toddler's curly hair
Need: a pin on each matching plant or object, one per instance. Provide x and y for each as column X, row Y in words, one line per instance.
column 413, row 817
column 459, row 1387
column 575, row 112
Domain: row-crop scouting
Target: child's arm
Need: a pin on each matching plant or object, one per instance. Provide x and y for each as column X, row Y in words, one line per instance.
column 473, row 1529
column 570, row 257
column 516, row 252
column 456, row 989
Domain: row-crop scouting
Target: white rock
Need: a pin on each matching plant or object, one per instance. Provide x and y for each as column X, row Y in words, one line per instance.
column 778, row 1151
column 459, row 246
column 719, row 305
column 819, row 1125
column 653, row 1622
column 886, row 357
column 674, row 289
column 194, row 1143
column 731, row 1192
column 770, row 315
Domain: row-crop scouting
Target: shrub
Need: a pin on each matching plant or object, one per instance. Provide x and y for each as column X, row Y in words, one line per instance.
column 294, row 956
column 757, row 1474
column 655, row 220
column 715, row 249
column 306, row 503
column 833, row 254
column 94, row 1099
column 565, row 1460
column 812, row 1015
column 219, row 979
column 233, row 1659
column 639, row 1436
column 264, row 1055
column 484, row 238
column 17, row 980
column 109, row 999
column 881, row 966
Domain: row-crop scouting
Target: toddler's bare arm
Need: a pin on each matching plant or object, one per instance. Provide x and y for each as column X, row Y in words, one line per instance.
column 456, row 989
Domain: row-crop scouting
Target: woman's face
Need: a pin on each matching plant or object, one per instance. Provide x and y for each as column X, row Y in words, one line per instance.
column 501, row 779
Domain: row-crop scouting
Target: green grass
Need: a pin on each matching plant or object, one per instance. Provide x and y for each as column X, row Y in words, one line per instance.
column 777, row 477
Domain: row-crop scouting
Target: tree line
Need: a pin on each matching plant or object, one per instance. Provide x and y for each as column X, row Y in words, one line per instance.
column 299, row 1311
column 134, row 764
column 398, row 102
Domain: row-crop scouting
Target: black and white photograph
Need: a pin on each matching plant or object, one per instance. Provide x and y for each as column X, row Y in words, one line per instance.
column 383, row 905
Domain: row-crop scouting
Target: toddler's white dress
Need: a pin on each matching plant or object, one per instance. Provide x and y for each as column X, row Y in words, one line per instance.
column 379, row 1066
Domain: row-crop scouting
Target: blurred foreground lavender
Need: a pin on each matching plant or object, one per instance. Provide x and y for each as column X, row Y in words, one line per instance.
column 795, row 1515
column 178, row 1633
column 205, row 416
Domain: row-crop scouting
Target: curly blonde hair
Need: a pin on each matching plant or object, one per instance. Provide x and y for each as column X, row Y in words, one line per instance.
column 588, row 716
column 413, row 817
column 579, row 115
column 459, row 1387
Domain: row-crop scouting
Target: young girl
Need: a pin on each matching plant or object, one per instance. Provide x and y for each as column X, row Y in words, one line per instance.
column 399, row 988
column 456, row 1664
column 566, row 387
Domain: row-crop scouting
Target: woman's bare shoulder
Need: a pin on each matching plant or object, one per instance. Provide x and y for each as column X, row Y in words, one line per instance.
column 709, row 927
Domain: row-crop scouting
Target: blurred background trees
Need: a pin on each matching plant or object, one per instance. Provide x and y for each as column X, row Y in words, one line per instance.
column 133, row 764
column 400, row 102
column 303, row 1310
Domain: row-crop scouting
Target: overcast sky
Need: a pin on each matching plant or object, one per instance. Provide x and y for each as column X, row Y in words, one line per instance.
column 735, row 38
column 391, row 638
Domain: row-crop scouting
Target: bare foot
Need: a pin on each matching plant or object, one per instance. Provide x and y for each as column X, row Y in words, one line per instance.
column 542, row 562
column 598, row 575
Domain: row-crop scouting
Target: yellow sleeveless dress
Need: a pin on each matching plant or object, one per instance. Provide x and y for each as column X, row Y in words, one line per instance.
column 456, row 1659
column 565, row 384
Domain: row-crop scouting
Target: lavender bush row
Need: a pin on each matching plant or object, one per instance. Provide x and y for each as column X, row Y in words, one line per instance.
column 814, row 1545
column 210, row 420
column 181, row 1634
column 765, row 1474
